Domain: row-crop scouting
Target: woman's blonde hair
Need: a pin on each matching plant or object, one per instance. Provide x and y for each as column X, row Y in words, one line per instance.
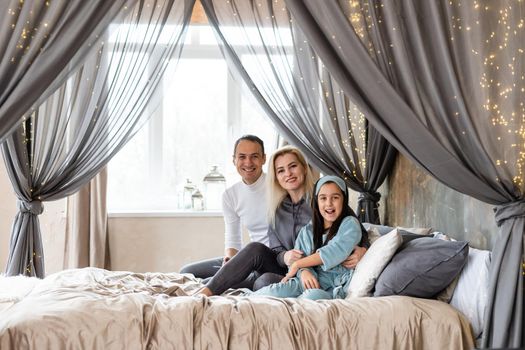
column 276, row 193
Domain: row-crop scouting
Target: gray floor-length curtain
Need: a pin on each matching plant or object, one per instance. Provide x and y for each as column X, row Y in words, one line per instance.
column 63, row 143
column 443, row 82
column 299, row 95
column 41, row 42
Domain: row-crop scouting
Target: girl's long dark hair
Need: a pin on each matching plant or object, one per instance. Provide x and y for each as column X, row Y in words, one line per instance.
column 318, row 222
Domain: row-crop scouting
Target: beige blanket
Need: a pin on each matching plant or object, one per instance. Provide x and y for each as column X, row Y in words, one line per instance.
column 97, row 309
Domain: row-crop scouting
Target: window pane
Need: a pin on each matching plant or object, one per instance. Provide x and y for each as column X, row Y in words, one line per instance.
column 194, row 130
column 202, row 114
column 128, row 174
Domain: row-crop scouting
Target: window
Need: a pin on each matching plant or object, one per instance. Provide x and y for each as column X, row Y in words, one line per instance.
column 202, row 114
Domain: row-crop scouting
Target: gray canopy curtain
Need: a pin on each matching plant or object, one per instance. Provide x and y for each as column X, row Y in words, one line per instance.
column 443, row 82
column 41, row 42
column 64, row 142
column 290, row 82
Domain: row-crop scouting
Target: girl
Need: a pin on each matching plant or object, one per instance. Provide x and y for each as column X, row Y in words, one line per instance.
column 331, row 236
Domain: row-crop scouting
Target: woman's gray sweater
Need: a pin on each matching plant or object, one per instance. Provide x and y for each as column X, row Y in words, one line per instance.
column 289, row 219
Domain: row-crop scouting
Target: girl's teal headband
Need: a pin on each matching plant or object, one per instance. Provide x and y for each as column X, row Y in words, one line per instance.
column 330, row 178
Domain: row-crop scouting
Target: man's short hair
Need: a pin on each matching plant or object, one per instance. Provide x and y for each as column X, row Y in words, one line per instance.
column 251, row 138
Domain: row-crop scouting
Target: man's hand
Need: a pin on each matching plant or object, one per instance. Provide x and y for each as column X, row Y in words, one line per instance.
column 354, row 258
column 308, row 280
column 292, row 256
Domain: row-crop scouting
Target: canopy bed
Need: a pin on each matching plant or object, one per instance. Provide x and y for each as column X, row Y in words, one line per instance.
column 349, row 83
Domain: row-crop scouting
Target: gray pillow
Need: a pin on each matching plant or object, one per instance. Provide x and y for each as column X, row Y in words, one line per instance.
column 382, row 229
column 408, row 236
column 422, row 268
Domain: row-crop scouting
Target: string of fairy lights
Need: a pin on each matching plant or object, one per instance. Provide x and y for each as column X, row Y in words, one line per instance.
column 503, row 80
column 33, row 33
column 500, row 57
column 29, row 31
column 354, row 137
column 491, row 35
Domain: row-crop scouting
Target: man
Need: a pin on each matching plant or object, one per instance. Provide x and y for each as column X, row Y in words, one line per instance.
column 243, row 205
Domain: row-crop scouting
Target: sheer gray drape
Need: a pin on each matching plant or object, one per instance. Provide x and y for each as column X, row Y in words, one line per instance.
column 66, row 140
column 300, row 96
column 443, row 82
column 40, row 42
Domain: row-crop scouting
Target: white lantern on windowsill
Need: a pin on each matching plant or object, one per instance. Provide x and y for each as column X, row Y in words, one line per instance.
column 214, row 186
column 197, row 201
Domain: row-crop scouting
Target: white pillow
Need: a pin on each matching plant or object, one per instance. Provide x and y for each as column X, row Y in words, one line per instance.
column 470, row 295
column 372, row 263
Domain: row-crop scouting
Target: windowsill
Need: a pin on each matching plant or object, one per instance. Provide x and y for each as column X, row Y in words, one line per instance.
column 164, row 213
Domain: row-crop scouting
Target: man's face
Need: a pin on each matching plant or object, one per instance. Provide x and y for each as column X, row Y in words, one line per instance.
column 249, row 159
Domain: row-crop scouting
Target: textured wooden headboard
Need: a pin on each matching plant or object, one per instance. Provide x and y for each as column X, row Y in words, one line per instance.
column 415, row 199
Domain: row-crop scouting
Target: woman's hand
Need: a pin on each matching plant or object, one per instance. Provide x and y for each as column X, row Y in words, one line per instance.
column 292, row 256
column 291, row 272
column 354, row 258
column 225, row 260
column 228, row 254
column 308, row 280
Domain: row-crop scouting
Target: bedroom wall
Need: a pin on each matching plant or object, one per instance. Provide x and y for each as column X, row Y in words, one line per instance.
column 417, row 199
column 163, row 244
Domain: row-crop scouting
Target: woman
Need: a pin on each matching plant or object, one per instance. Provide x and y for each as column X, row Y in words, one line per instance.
column 290, row 184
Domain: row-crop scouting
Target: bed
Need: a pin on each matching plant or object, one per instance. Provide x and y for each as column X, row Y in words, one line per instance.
column 93, row 308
